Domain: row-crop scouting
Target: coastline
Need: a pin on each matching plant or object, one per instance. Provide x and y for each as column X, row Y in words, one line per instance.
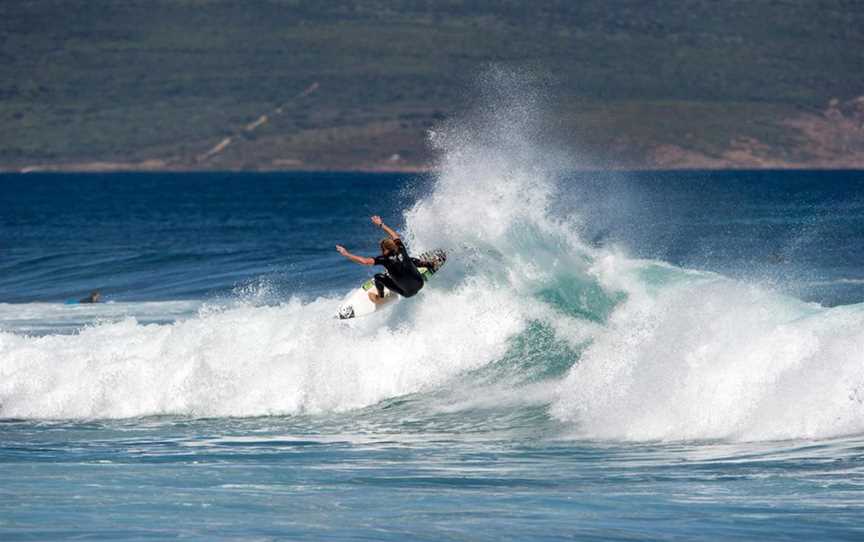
column 156, row 166
column 830, row 139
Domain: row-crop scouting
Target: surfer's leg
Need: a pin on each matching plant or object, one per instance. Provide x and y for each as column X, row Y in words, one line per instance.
column 379, row 283
column 378, row 295
column 382, row 281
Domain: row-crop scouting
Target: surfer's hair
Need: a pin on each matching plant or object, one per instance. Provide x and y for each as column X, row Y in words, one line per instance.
column 388, row 246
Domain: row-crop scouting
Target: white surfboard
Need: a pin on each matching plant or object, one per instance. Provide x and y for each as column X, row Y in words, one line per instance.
column 357, row 303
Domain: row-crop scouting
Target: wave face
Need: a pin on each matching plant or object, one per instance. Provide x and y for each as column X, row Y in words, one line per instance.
column 526, row 315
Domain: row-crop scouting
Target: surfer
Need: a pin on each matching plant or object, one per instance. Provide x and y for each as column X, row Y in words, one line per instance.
column 402, row 275
column 94, row 297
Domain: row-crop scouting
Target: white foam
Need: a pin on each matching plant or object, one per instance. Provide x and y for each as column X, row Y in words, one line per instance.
column 712, row 358
column 254, row 360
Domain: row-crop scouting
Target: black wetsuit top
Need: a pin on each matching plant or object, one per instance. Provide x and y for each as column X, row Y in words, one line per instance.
column 401, row 270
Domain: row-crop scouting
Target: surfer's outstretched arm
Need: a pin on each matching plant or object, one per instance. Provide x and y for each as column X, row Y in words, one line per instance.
column 380, row 223
column 354, row 258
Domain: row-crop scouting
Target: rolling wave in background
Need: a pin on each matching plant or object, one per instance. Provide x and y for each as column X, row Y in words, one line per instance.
column 528, row 322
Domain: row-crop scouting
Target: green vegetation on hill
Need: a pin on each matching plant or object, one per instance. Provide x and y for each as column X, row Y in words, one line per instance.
column 101, row 80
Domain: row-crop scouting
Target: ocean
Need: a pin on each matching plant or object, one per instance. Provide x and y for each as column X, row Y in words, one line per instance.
column 605, row 355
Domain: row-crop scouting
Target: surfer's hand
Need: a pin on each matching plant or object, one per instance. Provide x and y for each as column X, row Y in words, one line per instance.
column 341, row 250
column 377, row 220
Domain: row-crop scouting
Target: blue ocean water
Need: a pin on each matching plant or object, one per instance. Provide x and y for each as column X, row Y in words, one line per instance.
column 605, row 356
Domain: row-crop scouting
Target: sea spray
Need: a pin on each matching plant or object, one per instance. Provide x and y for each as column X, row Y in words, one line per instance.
column 488, row 207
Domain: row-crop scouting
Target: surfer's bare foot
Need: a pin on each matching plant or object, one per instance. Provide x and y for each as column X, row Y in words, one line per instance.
column 373, row 297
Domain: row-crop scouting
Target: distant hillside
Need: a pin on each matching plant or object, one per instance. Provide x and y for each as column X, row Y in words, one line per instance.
column 229, row 84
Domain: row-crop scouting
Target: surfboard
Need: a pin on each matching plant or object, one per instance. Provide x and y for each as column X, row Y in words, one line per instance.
column 357, row 303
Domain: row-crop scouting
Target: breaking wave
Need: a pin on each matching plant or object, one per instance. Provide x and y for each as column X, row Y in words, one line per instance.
column 610, row 346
